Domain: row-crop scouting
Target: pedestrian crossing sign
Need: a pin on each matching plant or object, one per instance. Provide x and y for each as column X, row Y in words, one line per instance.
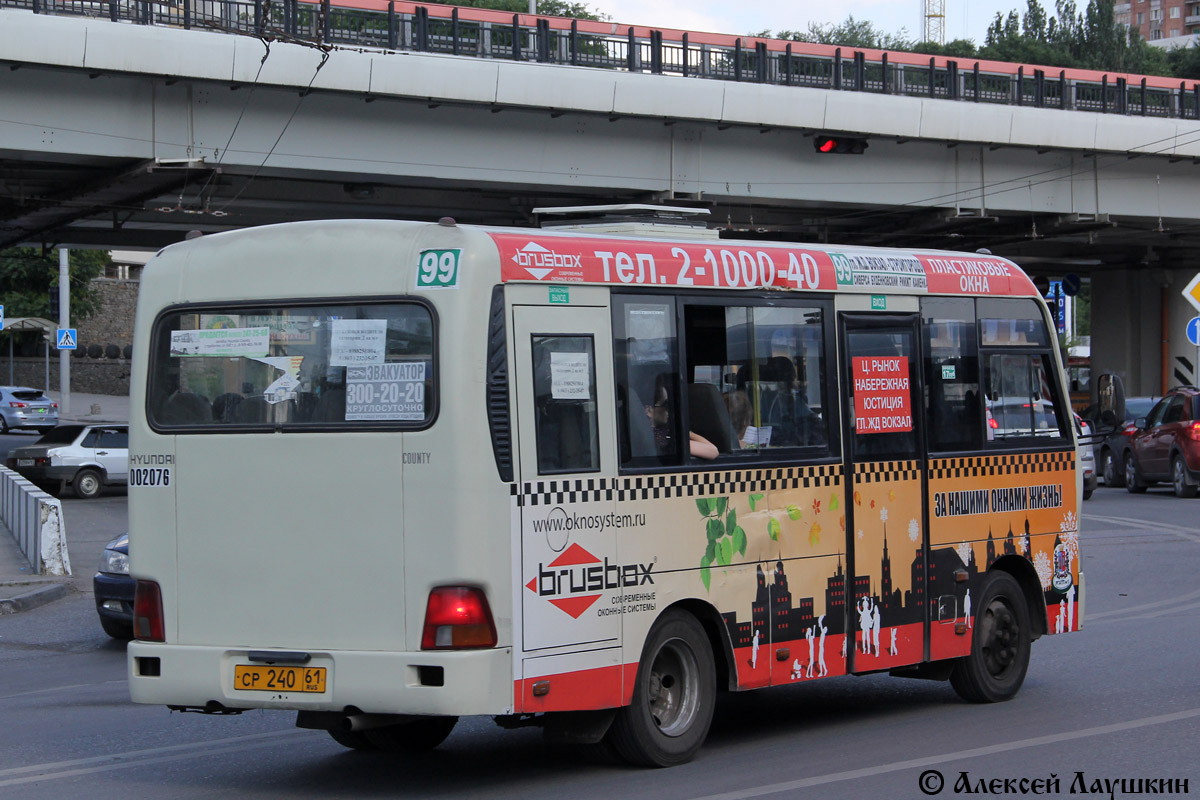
column 67, row 340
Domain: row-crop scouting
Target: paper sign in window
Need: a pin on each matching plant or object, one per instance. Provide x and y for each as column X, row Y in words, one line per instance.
column 757, row 437
column 882, row 395
column 354, row 342
column 392, row 391
column 570, row 376
column 231, row 342
column 284, row 387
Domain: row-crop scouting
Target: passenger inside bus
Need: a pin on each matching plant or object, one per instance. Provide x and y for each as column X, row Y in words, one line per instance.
column 660, row 421
column 739, row 414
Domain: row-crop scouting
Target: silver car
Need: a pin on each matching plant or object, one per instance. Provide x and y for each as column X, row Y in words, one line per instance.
column 1087, row 457
column 87, row 457
column 23, row 407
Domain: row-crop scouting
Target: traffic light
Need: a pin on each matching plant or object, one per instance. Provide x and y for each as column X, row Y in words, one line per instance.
column 839, row 144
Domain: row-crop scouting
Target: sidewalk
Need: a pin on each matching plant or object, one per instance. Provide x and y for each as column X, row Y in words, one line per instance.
column 20, row 589
column 88, row 408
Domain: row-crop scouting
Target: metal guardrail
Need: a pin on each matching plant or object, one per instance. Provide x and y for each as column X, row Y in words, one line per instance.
column 37, row 523
column 325, row 24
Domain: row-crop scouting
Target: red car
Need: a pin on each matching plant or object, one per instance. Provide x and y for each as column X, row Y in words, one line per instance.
column 1166, row 444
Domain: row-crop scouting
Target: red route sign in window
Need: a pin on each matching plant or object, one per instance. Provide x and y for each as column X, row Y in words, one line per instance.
column 882, row 395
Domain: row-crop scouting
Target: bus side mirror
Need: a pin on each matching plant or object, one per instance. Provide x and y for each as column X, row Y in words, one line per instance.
column 1111, row 393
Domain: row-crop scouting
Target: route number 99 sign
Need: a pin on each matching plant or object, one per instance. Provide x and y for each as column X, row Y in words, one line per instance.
column 438, row 269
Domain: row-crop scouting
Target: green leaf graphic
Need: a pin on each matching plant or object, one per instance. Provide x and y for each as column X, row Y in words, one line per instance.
column 721, row 503
column 833, row 502
column 705, row 575
column 773, row 529
column 754, row 500
column 705, row 505
column 731, row 519
column 724, row 552
column 716, row 529
column 739, row 539
column 794, row 512
column 710, row 554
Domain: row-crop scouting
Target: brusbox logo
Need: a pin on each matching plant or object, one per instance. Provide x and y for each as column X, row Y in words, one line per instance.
column 539, row 261
column 573, row 580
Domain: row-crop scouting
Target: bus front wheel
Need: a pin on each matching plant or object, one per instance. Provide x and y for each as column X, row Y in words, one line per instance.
column 673, row 697
column 1000, row 644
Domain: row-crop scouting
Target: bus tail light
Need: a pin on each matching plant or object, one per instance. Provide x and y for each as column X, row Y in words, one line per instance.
column 148, row 613
column 457, row 617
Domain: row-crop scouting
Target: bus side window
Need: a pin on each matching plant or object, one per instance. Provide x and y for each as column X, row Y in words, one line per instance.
column 564, row 392
column 1021, row 400
column 952, row 400
column 645, row 352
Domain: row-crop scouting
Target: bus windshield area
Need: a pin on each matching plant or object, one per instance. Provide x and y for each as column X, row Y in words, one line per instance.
column 311, row 366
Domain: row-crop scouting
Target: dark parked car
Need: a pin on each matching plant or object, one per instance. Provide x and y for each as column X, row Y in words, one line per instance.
column 1111, row 450
column 113, row 589
column 1166, row 444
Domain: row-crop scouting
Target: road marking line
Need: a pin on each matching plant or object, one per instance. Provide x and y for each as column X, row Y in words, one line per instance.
column 915, row 763
column 137, row 758
column 1143, row 606
column 123, row 682
column 1141, row 523
column 1174, row 609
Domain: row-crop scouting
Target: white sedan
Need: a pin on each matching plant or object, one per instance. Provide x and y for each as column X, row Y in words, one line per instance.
column 88, row 457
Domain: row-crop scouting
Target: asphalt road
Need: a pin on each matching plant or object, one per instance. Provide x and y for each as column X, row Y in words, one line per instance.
column 1119, row 700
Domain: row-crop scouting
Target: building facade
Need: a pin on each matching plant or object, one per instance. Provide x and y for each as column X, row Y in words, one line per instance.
column 1160, row 20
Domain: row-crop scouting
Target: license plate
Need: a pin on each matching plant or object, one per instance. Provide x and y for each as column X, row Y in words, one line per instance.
column 39, row 411
column 256, row 678
column 24, row 462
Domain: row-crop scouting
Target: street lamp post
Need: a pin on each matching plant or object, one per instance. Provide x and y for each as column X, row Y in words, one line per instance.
column 64, row 321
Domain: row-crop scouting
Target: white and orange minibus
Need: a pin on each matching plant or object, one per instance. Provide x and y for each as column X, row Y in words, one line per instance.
column 387, row 474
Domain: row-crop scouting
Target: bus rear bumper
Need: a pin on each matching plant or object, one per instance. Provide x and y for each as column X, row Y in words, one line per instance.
column 202, row 678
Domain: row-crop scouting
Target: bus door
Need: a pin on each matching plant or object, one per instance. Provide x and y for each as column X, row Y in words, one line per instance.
column 886, row 531
column 570, row 566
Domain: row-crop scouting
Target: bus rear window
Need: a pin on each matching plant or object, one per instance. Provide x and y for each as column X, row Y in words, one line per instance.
column 302, row 366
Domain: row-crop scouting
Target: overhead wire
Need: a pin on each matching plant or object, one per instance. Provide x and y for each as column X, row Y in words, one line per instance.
column 324, row 58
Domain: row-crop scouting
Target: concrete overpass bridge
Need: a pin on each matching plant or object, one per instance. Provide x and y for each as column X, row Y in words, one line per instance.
column 126, row 124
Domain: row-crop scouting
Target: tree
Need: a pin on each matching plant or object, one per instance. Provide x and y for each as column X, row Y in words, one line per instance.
column 1185, row 62
column 27, row 276
column 1092, row 40
column 956, row 48
column 551, row 8
column 851, row 32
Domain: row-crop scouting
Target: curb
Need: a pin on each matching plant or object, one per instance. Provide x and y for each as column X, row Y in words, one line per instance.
column 33, row 599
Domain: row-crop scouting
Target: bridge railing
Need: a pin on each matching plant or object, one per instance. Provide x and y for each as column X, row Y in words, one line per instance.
column 478, row 33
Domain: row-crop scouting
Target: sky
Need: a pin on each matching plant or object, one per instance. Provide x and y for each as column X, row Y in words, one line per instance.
column 965, row 19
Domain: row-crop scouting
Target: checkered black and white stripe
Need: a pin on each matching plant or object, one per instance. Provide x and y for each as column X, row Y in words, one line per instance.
column 1017, row 464
column 657, row 487
column 886, row 471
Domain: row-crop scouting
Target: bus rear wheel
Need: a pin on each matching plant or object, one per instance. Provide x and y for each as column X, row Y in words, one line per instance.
column 673, row 696
column 411, row 737
column 1000, row 644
